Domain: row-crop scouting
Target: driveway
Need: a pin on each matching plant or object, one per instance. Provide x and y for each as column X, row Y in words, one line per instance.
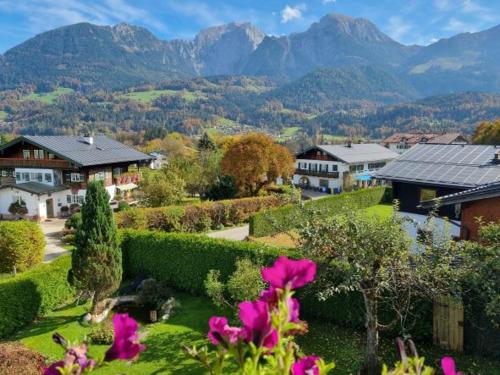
column 53, row 231
column 236, row 234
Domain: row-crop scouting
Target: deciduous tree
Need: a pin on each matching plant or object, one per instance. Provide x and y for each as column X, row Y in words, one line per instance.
column 255, row 161
column 487, row 133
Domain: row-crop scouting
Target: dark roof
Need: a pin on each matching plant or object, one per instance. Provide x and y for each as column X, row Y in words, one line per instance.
column 36, row 187
column 104, row 150
column 446, row 165
column 357, row 152
column 474, row 194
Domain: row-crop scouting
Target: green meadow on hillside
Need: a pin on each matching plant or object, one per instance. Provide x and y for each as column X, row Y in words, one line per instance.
column 49, row 97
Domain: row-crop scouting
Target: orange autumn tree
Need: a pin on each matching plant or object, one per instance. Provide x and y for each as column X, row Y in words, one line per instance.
column 487, row 133
column 255, row 161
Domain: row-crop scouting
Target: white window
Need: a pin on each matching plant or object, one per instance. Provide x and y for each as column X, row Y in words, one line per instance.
column 77, row 177
column 39, row 177
column 75, row 199
column 26, row 154
column 18, row 176
column 4, row 173
column 39, row 154
column 25, row 176
column 100, row 176
column 48, row 177
column 51, row 155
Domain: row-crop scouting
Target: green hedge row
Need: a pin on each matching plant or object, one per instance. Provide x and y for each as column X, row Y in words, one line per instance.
column 32, row 294
column 288, row 217
column 184, row 260
column 198, row 217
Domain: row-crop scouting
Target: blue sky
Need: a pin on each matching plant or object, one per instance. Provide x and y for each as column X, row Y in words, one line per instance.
column 407, row 21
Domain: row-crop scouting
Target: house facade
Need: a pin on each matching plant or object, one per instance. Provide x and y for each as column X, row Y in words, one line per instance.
column 429, row 171
column 334, row 168
column 402, row 142
column 49, row 174
column 481, row 203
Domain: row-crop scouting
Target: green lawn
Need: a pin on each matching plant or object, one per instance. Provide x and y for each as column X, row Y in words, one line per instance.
column 189, row 326
column 49, row 97
column 379, row 209
column 3, row 115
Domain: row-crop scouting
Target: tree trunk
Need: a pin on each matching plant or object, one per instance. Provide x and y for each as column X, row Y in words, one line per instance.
column 371, row 365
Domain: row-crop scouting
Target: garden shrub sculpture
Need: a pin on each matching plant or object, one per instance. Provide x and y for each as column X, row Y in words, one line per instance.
column 21, row 245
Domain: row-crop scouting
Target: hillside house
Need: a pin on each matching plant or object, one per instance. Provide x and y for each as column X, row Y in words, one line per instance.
column 401, row 142
column 49, row 174
column 481, row 203
column 334, row 168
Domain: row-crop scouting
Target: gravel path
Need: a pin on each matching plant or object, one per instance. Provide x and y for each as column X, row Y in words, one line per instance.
column 236, row 234
column 53, row 231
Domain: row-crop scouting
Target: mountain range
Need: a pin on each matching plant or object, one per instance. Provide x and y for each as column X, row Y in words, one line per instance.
column 86, row 56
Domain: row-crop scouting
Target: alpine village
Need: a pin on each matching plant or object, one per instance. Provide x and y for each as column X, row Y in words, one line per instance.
column 313, row 192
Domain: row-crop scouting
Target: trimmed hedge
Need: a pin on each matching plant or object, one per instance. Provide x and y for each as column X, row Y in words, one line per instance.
column 197, row 217
column 32, row 294
column 184, row 260
column 21, row 245
column 272, row 221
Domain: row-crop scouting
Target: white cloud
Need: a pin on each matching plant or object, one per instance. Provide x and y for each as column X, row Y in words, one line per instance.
column 397, row 27
column 47, row 14
column 290, row 13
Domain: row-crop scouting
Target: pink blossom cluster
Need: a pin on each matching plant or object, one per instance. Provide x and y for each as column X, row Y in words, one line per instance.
column 272, row 317
column 125, row 346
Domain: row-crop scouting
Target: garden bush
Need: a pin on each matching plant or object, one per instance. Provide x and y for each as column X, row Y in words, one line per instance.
column 185, row 260
column 288, row 217
column 199, row 217
column 33, row 294
column 22, row 245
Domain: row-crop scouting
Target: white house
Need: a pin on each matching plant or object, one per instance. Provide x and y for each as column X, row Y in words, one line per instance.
column 49, row 174
column 333, row 168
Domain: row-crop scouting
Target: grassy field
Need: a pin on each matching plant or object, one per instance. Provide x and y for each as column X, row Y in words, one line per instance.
column 189, row 326
column 150, row 96
column 49, row 97
column 3, row 115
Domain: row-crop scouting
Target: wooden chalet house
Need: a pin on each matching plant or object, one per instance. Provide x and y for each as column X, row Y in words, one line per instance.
column 334, row 168
column 402, row 142
column 49, row 174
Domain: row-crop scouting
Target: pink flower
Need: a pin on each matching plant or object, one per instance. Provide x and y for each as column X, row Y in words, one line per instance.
column 74, row 355
column 306, row 366
column 290, row 273
column 126, row 343
column 293, row 310
column 221, row 332
column 448, row 366
column 257, row 326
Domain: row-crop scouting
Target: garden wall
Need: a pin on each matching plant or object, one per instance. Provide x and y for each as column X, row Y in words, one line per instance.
column 288, row 217
column 198, row 217
column 184, row 260
column 32, row 294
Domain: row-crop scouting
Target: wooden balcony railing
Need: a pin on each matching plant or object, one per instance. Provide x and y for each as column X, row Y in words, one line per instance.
column 307, row 172
column 34, row 163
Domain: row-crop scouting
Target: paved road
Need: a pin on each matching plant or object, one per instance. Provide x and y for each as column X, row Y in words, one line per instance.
column 236, row 234
column 53, row 231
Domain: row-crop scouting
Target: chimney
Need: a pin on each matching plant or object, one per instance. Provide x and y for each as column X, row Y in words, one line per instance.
column 88, row 138
column 348, row 143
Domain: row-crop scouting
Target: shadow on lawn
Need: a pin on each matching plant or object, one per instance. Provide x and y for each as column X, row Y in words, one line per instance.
column 167, row 348
column 45, row 325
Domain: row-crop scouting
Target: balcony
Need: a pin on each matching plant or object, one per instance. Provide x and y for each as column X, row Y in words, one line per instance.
column 307, row 172
column 127, row 178
column 34, row 163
